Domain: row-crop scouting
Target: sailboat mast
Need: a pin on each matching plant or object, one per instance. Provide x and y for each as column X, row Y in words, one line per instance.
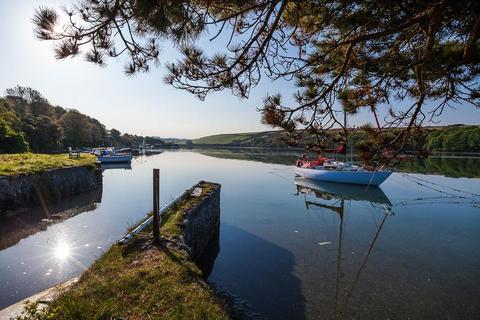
column 345, row 131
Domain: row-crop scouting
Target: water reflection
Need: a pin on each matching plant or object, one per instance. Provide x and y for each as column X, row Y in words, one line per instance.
column 20, row 225
column 62, row 251
column 339, row 194
column 207, row 260
column 451, row 166
column 384, row 269
column 125, row 166
column 328, row 190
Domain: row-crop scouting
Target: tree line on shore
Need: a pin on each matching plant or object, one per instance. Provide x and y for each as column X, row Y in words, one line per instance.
column 453, row 138
column 29, row 122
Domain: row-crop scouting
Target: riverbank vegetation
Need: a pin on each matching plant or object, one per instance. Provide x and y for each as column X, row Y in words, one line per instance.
column 26, row 163
column 29, row 122
column 135, row 283
column 139, row 281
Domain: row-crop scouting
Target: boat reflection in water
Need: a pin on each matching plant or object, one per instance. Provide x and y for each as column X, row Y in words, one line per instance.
column 334, row 197
column 124, row 165
column 343, row 191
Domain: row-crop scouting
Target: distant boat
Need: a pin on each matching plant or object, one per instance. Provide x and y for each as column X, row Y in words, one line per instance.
column 109, row 155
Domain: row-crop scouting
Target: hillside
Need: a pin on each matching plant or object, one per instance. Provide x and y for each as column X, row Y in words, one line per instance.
column 454, row 138
column 266, row 138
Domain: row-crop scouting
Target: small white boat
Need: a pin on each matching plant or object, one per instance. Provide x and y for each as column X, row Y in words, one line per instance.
column 331, row 170
column 109, row 155
column 115, row 158
column 341, row 172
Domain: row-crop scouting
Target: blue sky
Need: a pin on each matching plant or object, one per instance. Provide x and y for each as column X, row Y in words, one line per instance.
column 142, row 104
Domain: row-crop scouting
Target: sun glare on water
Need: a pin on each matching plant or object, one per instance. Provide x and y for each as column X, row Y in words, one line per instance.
column 62, row 251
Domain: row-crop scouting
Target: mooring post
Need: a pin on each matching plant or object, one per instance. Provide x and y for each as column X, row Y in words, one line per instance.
column 156, row 205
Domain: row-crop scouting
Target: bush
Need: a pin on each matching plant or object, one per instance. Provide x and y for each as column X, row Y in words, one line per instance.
column 11, row 141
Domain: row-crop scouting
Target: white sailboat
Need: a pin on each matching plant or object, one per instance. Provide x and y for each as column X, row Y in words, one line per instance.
column 341, row 172
column 331, row 170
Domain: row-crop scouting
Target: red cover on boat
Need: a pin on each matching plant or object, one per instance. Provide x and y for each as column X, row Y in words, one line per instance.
column 341, row 149
column 311, row 163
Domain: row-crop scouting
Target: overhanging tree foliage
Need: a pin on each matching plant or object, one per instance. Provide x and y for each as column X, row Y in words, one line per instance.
column 397, row 55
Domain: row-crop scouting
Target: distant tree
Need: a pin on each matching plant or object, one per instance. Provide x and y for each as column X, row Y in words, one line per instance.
column 116, row 136
column 99, row 133
column 8, row 113
column 11, row 141
column 27, row 94
column 153, row 141
column 76, row 129
column 59, row 111
column 395, row 55
column 127, row 140
column 46, row 135
column 42, row 108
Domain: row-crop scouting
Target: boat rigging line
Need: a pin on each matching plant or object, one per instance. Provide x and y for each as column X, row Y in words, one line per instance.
column 428, row 184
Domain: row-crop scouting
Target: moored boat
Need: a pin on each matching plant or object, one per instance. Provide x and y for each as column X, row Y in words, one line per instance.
column 115, row 158
column 331, row 170
column 109, row 155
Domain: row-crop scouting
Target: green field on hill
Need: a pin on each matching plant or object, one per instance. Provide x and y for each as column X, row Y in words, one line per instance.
column 266, row 138
column 453, row 138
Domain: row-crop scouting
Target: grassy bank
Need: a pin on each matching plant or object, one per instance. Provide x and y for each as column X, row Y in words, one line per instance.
column 139, row 281
column 25, row 163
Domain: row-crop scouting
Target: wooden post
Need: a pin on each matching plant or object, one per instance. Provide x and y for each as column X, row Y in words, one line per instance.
column 156, row 198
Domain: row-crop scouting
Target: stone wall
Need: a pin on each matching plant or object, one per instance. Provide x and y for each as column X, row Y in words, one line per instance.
column 31, row 190
column 202, row 223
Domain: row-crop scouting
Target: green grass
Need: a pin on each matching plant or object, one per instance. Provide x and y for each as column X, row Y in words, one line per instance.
column 172, row 218
column 25, row 163
column 224, row 138
column 139, row 281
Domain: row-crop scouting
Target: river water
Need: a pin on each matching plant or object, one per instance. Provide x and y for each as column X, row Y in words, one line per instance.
column 289, row 249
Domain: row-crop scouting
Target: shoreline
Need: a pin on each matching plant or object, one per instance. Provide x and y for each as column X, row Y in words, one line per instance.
column 28, row 184
column 138, row 277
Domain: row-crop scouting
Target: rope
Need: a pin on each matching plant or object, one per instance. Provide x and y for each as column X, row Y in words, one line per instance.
column 282, row 177
column 406, row 203
column 421, row 182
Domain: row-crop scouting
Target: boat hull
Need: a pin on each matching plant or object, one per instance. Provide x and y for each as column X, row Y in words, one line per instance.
column 115, row 159
column 372, row 178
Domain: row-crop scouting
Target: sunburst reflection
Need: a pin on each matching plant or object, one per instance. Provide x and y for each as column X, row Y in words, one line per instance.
column 62, row 251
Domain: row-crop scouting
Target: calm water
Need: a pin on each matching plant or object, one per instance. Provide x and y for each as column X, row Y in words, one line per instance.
column 289, row 248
